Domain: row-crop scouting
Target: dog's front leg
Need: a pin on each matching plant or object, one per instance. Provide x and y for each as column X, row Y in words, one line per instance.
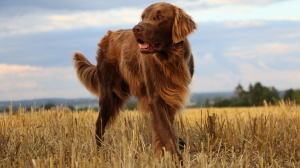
column 163, row 134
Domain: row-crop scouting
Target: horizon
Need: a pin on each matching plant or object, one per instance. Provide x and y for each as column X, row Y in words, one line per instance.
column 94, row 97
column 236, row 42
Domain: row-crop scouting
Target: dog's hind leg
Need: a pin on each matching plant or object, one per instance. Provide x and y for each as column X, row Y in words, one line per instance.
column 110, row 104
column 109, row 107
column 114, row 92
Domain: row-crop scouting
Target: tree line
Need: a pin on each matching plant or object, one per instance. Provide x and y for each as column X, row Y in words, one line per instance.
column 255, row 96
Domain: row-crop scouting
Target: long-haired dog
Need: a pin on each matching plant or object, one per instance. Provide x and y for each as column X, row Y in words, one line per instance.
column 153, row 62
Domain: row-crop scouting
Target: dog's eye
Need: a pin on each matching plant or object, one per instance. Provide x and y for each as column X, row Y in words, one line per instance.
column 159, row 17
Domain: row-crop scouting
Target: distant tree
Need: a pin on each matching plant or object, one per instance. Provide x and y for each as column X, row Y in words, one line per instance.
column 240, row 97
column 72, row 108
column 255, row 97
column 288, row 95
column 239, row 91
column 48, row 106
column 219, row 102
column 296, row 96
column 271, row 95
column 258, row 93
column 206, row 103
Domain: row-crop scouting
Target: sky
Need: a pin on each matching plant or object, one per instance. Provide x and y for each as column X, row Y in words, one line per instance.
column 237, row 41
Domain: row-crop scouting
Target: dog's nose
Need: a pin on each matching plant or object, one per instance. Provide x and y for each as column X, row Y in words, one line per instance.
column 138, row 29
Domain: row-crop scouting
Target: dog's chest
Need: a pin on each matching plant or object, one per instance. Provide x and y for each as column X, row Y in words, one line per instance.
column 132, row 72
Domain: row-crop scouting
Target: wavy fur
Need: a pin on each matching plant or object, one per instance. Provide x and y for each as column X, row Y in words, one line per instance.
column 86, row 73
column 152, row 62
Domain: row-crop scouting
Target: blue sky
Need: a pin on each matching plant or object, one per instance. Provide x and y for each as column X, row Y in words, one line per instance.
column 237, row 41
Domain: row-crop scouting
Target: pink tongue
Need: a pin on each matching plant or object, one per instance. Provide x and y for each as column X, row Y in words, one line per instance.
column 144, row 46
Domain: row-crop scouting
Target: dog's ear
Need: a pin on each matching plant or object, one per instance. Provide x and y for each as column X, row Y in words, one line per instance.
column 183, row 25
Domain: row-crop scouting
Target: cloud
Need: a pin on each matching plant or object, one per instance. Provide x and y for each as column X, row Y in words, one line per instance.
column 227, row 80
column 281, row 79
column 71, row 4
column 243, row 2
column 28, row 82
column 231, row 10
column 47, row 49
column 244, row 24
column 214, row 79
column 99, row 5
column 208, row 57
column 267, row 56
column 35, row 16
column 219, row 3
column 256, row 51
column 66, row 20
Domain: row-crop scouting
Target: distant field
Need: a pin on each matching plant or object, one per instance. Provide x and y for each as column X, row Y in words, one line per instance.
column 216, row 137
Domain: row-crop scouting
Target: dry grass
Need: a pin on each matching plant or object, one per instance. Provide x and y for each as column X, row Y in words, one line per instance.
column 216, row 137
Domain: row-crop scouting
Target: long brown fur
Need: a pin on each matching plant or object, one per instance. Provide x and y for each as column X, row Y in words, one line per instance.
column 157, row 76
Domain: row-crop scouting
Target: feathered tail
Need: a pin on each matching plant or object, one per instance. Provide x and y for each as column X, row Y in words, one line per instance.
column 86, row 73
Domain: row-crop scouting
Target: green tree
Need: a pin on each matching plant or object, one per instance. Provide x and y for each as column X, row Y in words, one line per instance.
column 72, row 108
column 219, row 102
column 288, row 95
column 255, row 97
column 258, row 93
column 48, row 106
column 206, row 103
column 240, row 97
column 271, row 95
column 296, row 96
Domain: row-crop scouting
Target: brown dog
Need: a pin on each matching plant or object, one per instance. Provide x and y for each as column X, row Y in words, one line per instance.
column 152, row 62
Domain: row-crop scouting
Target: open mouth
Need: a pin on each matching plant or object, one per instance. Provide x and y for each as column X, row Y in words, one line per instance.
column 148, row 48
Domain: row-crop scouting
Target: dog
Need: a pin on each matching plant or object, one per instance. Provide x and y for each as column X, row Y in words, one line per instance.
column 153, row 62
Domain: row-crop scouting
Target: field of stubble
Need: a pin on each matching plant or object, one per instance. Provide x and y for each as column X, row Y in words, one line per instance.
column 216, row 137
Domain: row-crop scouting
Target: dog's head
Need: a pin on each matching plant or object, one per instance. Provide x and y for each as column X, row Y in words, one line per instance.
column 162, row 25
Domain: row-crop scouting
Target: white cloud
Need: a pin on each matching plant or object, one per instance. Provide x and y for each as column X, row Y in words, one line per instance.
column 242, row 24
column 214, row 3
column 43, row 19
column 96, row 18
column 232, row 10
column 28, row 82
column 248, row 74
column 61, row 20
column 220, row 81
column 263, row 50
column 281, row 79
column 245, row 2
column 292, row 35
column 208, row 57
